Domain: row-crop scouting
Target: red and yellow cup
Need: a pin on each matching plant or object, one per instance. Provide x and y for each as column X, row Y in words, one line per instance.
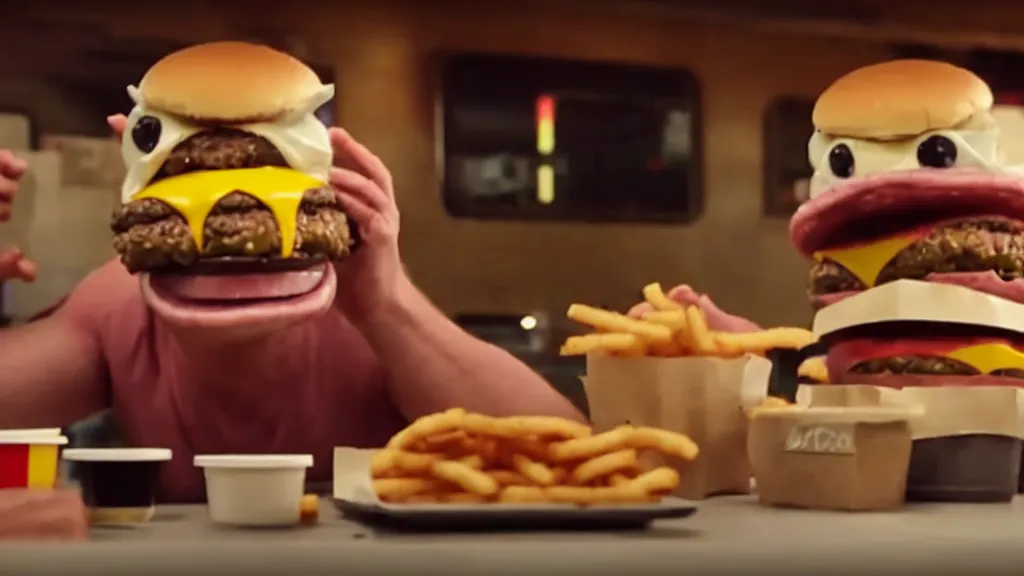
column 30, row 458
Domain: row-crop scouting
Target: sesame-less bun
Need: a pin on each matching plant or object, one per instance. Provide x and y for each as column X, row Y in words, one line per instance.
column 229, row 81
column 899, row 99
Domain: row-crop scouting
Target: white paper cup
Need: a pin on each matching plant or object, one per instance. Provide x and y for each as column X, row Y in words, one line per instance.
column 255, row 489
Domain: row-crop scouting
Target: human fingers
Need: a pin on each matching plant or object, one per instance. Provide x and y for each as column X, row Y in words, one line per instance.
column 353, row 155
column 361, row 187
column 117, row 123
column 26, row 270
column 639, row 310
column 12, row 168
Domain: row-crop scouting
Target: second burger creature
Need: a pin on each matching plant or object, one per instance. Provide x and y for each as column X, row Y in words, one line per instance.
column 908, row 185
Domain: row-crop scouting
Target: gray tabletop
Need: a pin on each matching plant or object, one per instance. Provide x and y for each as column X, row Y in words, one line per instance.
column 726, row 534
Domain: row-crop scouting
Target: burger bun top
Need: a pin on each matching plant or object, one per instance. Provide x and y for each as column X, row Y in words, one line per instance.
column 234, row 82
column 901, row 99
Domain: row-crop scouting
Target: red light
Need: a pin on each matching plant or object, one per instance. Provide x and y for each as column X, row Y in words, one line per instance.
column 545, row 107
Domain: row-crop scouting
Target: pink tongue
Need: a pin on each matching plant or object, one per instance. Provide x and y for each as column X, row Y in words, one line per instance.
column 241, row 286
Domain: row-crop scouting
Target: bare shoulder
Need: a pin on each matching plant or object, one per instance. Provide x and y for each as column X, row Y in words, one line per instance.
column 105, row 290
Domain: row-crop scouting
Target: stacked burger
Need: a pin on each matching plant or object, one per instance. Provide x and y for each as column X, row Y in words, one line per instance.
column 918, row 236
column 226, row 214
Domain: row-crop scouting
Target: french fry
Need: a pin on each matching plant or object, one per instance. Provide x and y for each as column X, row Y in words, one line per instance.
column 761, row 342
column 475, row 459
column 618, row 323
column 674, row 320
column 614, row 343
column 699, row 337
column 658, row 300
column 815, row 369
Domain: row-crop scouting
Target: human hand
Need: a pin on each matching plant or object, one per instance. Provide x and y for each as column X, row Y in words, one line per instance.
column 13, row 263
column 29, row 514
column 372, row 276
column 718, row 319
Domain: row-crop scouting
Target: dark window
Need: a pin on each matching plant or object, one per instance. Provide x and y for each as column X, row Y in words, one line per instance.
column 550, row 139
column 787, row 129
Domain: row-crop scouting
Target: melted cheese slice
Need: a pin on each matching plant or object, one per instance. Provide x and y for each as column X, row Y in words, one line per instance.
column 195, row 194
column 986, row 358
column 867, row 261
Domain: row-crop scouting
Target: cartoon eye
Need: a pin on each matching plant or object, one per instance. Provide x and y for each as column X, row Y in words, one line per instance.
column 936, row 152
column 146, row 133
column 840, row 161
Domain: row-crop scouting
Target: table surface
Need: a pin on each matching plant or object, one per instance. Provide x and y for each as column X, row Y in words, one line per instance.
column 725, row 534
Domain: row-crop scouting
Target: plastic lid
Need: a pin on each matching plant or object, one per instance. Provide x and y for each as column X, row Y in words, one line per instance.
column 34, row 439
column 21, row 432
column 254, row 461
column 117, row 454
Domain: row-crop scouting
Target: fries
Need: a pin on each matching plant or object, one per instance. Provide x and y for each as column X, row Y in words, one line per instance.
column 460, row 457
column 667, row 328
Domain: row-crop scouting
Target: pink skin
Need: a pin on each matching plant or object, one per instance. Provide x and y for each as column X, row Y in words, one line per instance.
column 347, row 370
column 13, row 264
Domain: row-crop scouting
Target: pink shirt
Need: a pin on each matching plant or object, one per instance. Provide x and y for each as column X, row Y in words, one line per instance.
column 315, row 387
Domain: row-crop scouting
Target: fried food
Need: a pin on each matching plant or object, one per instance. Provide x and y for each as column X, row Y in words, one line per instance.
column 666, row 328
column 459, row 457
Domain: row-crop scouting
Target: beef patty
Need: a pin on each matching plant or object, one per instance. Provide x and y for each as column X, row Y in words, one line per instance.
column 970, row 245
column 240, row 231
column 928, row 365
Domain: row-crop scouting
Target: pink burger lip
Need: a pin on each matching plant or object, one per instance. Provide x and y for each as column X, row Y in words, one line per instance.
column 962, row 192
column 214, row 313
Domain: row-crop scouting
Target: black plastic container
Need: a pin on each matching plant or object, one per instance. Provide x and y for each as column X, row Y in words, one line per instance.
column 968, row 468
column 118, row 484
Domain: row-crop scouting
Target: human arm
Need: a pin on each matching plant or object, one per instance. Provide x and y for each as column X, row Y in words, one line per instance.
column 431, row 364
column 27, row 514
column 51, row 370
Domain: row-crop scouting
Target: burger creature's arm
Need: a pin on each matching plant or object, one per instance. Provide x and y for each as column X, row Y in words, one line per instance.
column 431, row 364
column 52, row 370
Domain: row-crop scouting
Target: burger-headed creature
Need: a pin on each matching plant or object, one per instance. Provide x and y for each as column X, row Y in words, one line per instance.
column 226, row 214
column 907, row 184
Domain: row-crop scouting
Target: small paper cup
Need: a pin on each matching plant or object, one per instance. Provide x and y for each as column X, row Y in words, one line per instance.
column 29, row 461
column 255, row 489
column 119, row 484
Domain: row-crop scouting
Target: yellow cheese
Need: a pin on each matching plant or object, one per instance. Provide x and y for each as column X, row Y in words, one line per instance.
column 866, row 261
column 988, row 358
column 195, row 194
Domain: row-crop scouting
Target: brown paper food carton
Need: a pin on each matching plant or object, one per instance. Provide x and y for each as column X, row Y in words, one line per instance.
column 850, row 452
column 967, row 440
column 699, row 397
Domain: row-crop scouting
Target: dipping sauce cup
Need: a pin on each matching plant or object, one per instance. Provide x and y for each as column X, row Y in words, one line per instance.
column 255, row 489
column 119, row 484
column 29, row 460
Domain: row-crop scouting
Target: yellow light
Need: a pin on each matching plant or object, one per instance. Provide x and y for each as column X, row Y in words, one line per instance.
column 528, row 323
column 545, row 184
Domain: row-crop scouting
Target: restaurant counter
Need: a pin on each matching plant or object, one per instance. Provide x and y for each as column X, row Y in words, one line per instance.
column 731, row 535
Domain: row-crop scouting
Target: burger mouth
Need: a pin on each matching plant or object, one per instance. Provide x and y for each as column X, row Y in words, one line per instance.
column 884, row 204
column 963, row 222
column 226, row 301
column 240, row 261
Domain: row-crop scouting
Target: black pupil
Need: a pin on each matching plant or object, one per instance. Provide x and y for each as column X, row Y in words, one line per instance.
column 146, row 133
column 936, row 152
column 840, row 160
